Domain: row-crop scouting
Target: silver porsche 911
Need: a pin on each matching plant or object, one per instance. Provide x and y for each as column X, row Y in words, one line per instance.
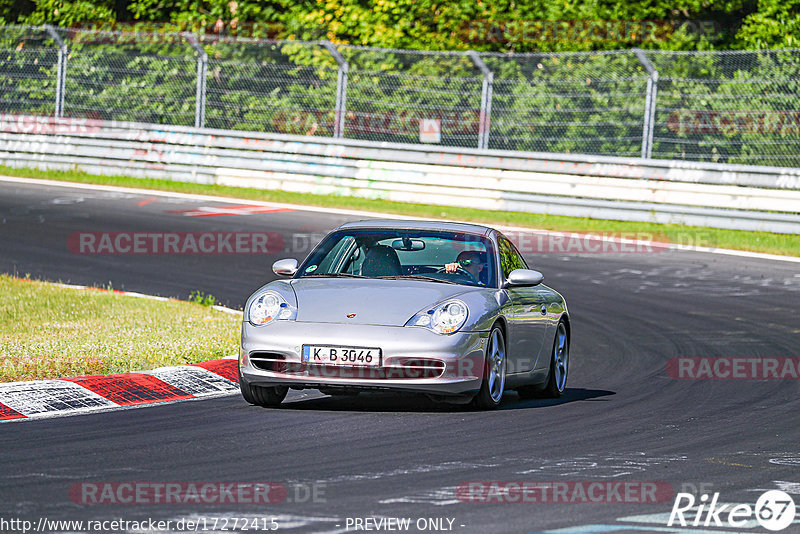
column 450, row 310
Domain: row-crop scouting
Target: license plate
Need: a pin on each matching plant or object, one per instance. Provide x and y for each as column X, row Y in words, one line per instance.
column 338, row 355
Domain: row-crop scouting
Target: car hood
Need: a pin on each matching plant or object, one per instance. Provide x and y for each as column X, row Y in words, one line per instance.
column 373, row 301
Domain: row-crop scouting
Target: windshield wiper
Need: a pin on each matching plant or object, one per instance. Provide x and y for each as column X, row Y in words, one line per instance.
column 419, row 277
column 335, row 275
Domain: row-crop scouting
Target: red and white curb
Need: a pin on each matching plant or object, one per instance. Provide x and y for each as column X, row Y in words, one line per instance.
column 83, row 394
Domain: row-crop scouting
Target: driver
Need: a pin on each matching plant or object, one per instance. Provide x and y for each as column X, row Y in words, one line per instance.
column 471, row 261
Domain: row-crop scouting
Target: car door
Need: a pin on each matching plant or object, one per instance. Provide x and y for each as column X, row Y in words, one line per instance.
column 528, row 322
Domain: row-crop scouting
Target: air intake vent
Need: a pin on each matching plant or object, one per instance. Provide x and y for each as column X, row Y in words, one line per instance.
column 268, row 361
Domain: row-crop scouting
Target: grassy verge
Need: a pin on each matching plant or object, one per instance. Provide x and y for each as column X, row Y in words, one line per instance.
column 687, row 235
column 48, row 331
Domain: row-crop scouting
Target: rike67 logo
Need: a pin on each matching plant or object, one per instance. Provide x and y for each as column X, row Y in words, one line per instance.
column 774, row 510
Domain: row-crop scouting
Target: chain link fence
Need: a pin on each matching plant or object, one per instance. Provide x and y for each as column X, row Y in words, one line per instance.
column 28, row 70
column 727, row 107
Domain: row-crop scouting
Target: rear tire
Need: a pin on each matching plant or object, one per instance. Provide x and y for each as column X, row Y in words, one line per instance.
column 559, row 363
column 494, row 372
column 557, row 375
column 265, row 396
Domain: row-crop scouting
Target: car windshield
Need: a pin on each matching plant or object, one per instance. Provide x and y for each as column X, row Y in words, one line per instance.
column 432, row 255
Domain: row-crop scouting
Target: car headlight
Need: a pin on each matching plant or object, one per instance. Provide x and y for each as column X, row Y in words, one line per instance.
column 269, row 306
column 445, row 318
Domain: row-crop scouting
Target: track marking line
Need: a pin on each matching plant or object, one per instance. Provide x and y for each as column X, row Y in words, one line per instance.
column 367, row 214
column 724, row 461
column 214, row 211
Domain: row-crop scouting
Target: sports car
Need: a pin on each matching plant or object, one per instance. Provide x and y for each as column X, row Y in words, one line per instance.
column 449, row 310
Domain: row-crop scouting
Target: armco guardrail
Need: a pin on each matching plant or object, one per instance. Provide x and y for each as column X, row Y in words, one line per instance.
column 722, row 196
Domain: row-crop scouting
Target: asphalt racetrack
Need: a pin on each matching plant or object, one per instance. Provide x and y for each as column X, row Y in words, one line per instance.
column 623, row 418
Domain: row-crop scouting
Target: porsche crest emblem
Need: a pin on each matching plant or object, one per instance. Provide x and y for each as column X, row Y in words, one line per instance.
column 351, row 315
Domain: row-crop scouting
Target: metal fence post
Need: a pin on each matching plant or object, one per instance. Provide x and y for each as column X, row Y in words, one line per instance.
column 652, row 93
column 341, row 89
column 648, row 126
column 200, row 90
column 61, row 72
column 487, row 89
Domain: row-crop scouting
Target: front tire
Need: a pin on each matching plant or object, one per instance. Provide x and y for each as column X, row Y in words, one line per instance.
column 494, row 374
column 265, row 396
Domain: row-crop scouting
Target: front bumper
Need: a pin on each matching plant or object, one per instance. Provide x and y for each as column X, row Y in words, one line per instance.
column 413, row 359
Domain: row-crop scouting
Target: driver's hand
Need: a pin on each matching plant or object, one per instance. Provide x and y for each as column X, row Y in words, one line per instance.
column 451, row 267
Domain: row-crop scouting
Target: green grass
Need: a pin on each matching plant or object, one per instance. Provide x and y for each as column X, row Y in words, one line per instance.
column 48, row 331
column 784, row 244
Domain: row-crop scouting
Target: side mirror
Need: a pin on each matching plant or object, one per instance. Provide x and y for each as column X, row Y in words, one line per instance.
column 524, row 278
column 285, row 267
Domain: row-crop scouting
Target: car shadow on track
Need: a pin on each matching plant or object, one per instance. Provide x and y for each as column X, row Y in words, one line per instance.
column 393, row 402
column 569, row 395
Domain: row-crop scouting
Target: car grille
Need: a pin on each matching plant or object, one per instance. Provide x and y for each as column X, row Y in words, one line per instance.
column 400, row 368
column 408, row 370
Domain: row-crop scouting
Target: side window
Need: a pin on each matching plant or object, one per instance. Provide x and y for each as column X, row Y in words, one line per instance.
column 510, row 259
column 354, row 259
column 334, row 257
column 522, row 263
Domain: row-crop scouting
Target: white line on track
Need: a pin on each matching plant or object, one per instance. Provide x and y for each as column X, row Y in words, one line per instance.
column 217, row 307
column 371, row 214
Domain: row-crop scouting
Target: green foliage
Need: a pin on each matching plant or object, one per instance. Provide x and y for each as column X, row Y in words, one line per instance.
column 503, row 25
column 198, row 297
column 527, row 25
column 63, row 13
column 203, row 13
column 776, row 24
